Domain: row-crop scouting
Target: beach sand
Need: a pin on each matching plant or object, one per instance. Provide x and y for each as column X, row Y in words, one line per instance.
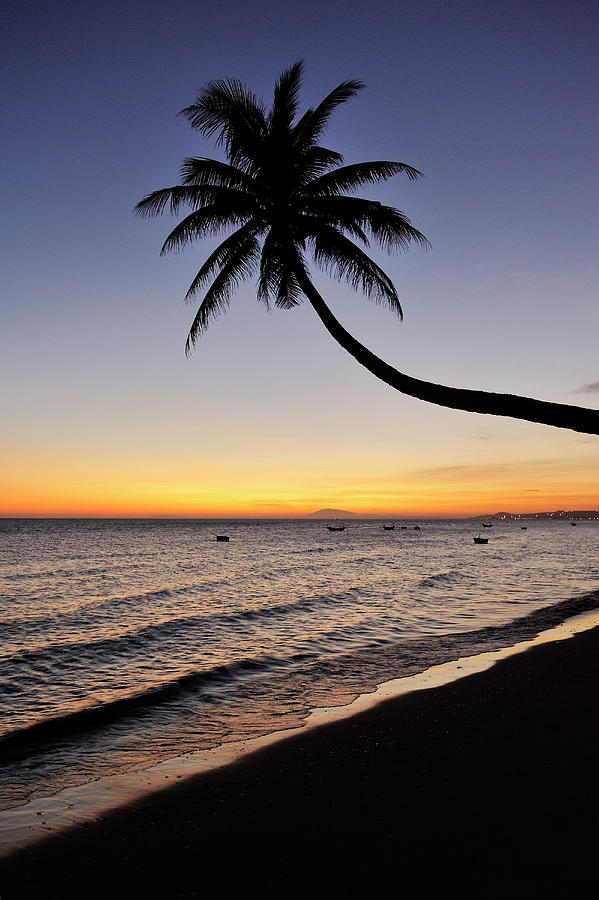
column 487, row 785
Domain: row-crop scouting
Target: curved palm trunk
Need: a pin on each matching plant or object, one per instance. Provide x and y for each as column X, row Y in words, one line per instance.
column 561, row 415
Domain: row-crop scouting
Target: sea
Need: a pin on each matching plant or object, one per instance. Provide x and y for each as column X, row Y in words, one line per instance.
column 126, row 642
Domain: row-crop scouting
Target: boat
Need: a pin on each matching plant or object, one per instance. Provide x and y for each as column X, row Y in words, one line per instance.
column 573, row 523
column 481, row 540
column 222, row 537
column 524, row 528
column 336, row 527
column 416, row 527
column 487, row 525
column 404, row 527
column 389, row 527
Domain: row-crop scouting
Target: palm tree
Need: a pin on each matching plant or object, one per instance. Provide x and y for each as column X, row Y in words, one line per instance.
column 284, row 195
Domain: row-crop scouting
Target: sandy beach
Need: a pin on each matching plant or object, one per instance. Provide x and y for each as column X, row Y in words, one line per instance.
column 488, row 783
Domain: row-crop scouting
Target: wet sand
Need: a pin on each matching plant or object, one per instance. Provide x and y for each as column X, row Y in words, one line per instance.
column 488, row 784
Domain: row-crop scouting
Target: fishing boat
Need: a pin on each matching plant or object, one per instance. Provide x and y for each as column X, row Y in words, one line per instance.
column 487, row 525
column 481, row 540
column 222, row 537
column 524, row 528
column 389, row 527
column 336, row 527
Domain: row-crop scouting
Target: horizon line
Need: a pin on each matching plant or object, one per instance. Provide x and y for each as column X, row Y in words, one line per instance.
column 308, row 517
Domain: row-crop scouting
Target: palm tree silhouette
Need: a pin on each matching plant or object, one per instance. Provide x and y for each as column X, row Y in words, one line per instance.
column 285, row 196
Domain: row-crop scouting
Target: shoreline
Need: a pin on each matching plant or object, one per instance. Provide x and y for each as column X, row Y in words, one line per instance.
column 237, row 801
column 44, row 817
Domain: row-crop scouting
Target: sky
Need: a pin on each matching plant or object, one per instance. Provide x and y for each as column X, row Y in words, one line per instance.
column 102, row 414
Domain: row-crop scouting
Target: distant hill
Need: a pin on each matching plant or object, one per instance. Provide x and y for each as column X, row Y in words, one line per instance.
column 333, row 514
column 556, row 514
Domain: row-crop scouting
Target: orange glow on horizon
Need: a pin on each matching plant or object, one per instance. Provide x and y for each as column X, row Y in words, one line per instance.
column 51, row 484
column 190, row 501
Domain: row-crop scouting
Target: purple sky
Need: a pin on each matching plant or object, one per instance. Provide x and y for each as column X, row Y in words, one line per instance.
column 495, row 103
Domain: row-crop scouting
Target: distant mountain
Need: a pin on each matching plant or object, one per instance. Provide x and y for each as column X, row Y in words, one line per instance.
column 333, row 514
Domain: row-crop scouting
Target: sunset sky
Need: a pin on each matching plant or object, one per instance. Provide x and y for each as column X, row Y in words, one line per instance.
column 102, row 414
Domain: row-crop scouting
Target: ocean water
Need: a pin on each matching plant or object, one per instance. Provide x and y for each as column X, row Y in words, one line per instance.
column 126, row 642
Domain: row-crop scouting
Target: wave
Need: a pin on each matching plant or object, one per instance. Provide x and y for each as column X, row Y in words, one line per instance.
column 205, row 685
column 304, row 551
column 23, row 740
column 40, row 574
column 92, row 606
column 137, row 639
column 439, row 579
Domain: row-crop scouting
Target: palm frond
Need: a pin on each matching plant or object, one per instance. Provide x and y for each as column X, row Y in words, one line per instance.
column 232, row 114
column 315, row 161
column 311, row 223
column 348, row 178
column 388, row 226
column 314, row 121
column 270, row 270
column 289, row 293
column 195, row 196
column 339, row 256
column 200, row 170
column 154, row 204
column 277, row 280
column 223, row 255
column 285, row 100
column 206, row 223
column 216, row 300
